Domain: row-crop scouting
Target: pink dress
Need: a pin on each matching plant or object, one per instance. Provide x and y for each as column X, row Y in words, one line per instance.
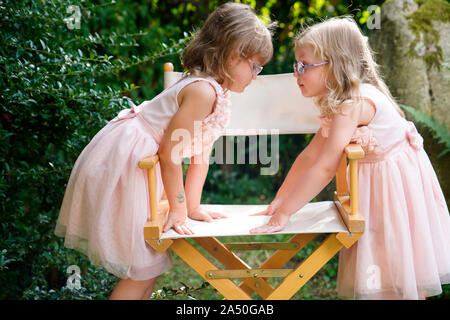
column 404, row 252
column 106, row 202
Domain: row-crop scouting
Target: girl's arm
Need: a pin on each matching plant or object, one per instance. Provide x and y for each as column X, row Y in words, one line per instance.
column 196, row 101
column 302, row 163
column 195, row 179
column 315, row 178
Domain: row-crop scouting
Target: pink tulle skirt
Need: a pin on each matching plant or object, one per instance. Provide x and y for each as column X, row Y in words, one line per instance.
column 106, row 203
column 404, row 252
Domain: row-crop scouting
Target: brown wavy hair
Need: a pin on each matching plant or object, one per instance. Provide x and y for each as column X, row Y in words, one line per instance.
column 232, row 26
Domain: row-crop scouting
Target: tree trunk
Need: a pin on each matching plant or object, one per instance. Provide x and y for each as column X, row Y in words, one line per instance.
column 411, row 46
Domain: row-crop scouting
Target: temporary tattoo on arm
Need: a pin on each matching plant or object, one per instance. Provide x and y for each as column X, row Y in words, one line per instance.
column 180, row 196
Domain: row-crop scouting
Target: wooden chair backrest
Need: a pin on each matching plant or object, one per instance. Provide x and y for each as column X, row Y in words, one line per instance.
column 271, row 104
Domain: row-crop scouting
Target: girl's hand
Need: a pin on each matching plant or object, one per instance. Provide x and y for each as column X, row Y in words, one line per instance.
column 177, row 221
column 275, row 224
column 204, row 215
column 271, row 209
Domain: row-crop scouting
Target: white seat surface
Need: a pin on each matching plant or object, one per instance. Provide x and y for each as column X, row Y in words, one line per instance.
column 315, row 217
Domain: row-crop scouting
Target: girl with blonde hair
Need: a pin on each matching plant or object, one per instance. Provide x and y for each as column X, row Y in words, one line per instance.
column 404, row 252
column 105, row 206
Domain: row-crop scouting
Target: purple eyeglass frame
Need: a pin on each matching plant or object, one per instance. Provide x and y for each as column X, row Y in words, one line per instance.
column 256, row 68
column 299, row 67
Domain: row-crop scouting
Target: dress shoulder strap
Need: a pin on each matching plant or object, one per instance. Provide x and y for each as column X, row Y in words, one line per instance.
column 190, row 79
column 368, row 90
column 382, row 103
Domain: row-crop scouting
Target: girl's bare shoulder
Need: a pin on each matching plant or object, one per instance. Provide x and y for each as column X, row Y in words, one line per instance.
column 200, row 92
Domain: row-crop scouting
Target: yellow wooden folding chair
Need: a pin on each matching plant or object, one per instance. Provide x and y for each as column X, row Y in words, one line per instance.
column 271, row 102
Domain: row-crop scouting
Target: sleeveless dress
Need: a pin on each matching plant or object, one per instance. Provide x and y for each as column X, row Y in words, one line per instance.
column 106, row 203
column 404, row 252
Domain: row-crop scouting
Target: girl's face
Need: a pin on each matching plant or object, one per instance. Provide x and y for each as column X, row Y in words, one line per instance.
column 242, row 70
column 312, row 82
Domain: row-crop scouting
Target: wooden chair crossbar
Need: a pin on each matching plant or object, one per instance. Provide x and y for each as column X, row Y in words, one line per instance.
column 255, row 280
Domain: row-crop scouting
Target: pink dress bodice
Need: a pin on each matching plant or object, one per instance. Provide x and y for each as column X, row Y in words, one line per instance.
column 159, row 111
column 386, row 133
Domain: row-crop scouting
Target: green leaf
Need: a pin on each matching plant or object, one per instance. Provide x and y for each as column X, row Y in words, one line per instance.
column 440, row 131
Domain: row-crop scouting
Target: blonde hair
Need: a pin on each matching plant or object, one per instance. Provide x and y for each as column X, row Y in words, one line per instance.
column 340, row 42
column 232, row 26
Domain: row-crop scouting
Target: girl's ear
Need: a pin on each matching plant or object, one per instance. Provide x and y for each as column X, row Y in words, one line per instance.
column 233, row 57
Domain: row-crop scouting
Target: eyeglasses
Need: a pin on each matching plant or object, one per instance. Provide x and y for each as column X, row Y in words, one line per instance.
column 299, row 67
column 256, row 68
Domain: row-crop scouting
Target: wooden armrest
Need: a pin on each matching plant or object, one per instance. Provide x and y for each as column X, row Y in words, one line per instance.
column 354, row 222
column 347, row 202
column 153, row 228
column 149, row 162
column 158, row 211
column 354, row 151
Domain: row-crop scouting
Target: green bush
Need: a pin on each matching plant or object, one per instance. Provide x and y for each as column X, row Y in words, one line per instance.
column 60, row 84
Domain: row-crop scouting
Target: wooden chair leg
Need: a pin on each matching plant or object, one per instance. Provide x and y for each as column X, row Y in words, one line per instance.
column 277, row 260
column 281, row 257
column 200, row 264
column 231, row 261
column 309, row 267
